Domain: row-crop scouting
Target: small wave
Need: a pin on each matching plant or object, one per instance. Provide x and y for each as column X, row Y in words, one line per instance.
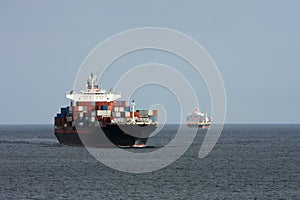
column 137, row 147
column 48, row 141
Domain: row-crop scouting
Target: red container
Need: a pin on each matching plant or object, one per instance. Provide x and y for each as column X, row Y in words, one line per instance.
column 83, row 103
column 91, row 108
column 136, row 114
column 100, row 103
column 75, row 109
column 114, row 103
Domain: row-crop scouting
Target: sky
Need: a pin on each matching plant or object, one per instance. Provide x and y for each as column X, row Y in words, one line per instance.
column 254, row 43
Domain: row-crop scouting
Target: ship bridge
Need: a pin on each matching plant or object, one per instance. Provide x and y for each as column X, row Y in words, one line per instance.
column 92, row 92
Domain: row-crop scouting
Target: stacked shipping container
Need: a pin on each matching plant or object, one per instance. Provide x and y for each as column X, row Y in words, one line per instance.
column 87, row 113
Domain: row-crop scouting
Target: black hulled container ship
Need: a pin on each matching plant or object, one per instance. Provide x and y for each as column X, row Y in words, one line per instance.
column 97, row 118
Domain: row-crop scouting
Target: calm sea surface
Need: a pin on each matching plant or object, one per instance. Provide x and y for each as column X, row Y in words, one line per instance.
column 248, row 162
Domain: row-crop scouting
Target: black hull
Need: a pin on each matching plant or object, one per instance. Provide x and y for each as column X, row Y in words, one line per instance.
column 114, row 135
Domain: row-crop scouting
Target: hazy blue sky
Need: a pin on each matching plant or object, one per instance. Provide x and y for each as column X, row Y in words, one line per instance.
column 255, row 44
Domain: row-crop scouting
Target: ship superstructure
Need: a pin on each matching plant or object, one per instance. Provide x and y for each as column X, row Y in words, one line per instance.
column 93, row 93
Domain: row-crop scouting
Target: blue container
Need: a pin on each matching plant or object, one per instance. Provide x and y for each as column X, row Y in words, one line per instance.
column 104, row 107
column 64, row 111
column 153, row 118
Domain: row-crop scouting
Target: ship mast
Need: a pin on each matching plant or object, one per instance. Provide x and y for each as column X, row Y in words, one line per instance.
column 132, row 110
column 92, row 83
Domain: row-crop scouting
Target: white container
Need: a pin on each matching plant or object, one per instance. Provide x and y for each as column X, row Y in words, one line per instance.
column 99, row 112
column 104, row 113
column 150, row 112
column 70, row 110
column 118, row 114
column 108, row 113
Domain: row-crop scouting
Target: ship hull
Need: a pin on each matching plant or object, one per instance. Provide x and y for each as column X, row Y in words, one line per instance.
column 111, row 135
column 199, row 125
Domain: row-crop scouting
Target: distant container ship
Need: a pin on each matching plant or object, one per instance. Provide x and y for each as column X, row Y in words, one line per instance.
column 198, row 119
column 95, row 109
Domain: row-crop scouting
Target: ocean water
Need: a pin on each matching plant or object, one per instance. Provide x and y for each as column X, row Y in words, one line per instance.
column 248, row 162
